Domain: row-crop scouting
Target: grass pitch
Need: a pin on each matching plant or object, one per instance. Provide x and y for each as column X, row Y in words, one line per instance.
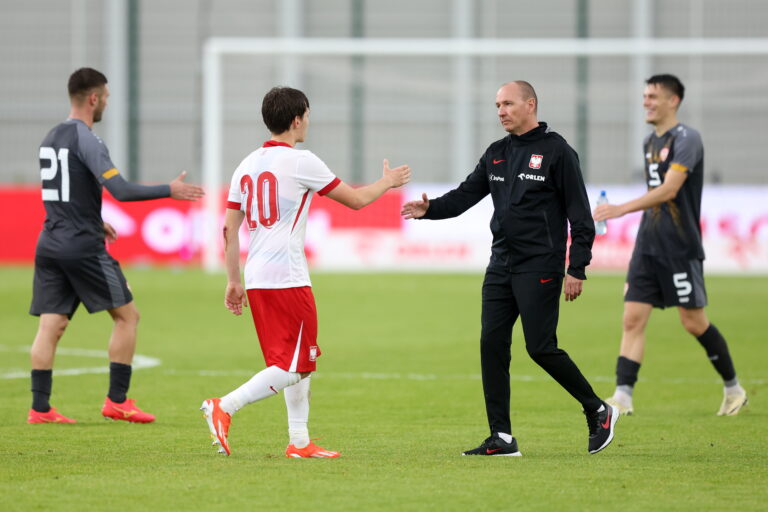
column 398, row 392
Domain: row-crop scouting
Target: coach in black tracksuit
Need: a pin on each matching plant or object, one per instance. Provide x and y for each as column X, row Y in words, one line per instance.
column 535, row 182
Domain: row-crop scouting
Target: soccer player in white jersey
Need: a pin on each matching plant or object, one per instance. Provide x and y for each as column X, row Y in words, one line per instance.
column 271, row 190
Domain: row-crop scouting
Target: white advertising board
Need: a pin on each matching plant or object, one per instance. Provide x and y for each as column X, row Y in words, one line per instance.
column 734, row 223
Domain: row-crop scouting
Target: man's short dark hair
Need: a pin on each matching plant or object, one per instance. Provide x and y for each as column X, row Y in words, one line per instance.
column 528, row 92
column 281, row 106
column 669, row 82
column 83, row 81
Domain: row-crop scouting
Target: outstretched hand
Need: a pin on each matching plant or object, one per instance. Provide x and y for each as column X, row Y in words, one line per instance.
column 415, row 209
column 607, row 211
column 185, row 191
column 398, row 176
column 235, row 298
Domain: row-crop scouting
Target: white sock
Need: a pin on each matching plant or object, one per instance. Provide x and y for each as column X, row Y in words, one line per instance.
column 297, row 404
column 506, row 437
column 266, row 383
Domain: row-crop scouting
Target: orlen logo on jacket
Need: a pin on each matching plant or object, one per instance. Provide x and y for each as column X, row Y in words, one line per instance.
column 535, row 162
column 534, row 177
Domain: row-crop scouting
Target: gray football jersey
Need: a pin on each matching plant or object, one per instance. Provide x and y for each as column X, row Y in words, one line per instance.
column 74, row 163
column 672, row 229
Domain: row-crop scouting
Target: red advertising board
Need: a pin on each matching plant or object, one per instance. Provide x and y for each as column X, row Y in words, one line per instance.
column 734, row 227
column 163, row 231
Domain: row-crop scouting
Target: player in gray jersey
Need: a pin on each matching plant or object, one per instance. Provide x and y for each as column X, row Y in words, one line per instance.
column 71, row 261
column 666, row 268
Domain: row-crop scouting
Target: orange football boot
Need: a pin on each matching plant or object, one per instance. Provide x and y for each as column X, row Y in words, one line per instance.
column 218, row 423
column 126, row 411
column 311, row 451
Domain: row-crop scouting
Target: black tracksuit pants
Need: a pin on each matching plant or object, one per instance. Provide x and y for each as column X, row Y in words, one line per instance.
column 535, row 298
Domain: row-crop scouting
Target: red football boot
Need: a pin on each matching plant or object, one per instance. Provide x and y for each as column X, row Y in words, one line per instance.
column 47, row 417
column 126, row 411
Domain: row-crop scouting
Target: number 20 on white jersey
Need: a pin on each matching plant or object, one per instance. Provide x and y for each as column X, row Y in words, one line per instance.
column 274, row 187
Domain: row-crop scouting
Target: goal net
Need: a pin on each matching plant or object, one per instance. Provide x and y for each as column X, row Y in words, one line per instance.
column 430, row 102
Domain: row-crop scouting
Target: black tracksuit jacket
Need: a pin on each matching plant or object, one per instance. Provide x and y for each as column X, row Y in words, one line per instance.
column 537, row 188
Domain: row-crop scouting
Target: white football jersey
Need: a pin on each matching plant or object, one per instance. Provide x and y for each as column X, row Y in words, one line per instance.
column 274, row 186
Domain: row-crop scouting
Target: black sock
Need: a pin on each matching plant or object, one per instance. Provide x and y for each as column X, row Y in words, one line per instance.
column 626, row 371
column 42, row 380
column 717, row 352
column 119, row 380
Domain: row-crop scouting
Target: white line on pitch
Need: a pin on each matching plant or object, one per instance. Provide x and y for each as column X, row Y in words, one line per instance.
column 434, row 377
column 143, row 362
column 139, row 362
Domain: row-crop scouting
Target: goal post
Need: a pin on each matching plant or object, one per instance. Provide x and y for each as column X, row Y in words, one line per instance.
column 215, row 49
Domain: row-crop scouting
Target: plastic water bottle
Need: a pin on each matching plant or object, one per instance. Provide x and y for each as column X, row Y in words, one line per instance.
column 601, row 226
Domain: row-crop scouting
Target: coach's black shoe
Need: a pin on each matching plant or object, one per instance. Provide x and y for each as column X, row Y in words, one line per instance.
column 497, row 447
column 601, row 427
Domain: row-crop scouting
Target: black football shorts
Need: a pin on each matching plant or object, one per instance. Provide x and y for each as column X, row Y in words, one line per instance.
column 666, row 282
column 60, row 285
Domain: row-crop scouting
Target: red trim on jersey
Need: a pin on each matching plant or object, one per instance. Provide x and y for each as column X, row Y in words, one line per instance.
column 332, row 185
column 273, row 143
column 301, row 207
column 233, row 205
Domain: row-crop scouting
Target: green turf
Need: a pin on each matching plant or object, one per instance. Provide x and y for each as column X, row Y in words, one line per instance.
column 398, row 393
